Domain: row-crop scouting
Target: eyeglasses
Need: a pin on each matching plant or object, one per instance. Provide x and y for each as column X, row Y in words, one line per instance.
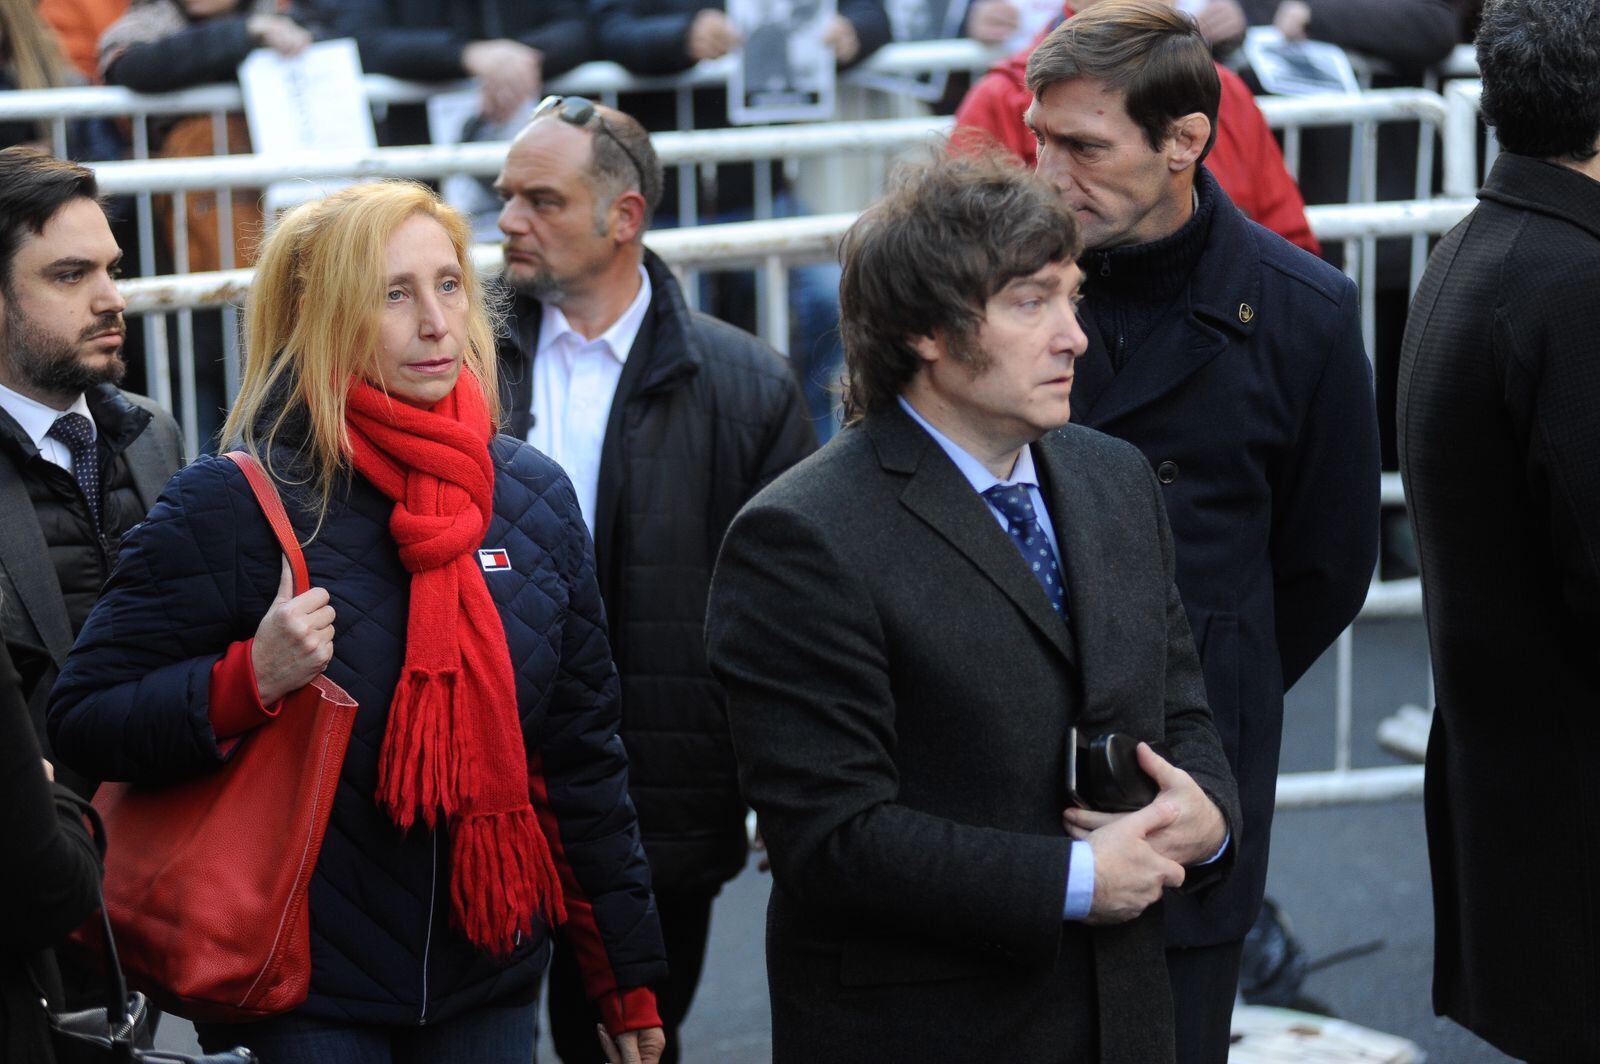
column 578, row 111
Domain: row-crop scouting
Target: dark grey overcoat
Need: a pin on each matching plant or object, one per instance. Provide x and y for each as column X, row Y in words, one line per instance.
column 899, row 694
column 1499, row 422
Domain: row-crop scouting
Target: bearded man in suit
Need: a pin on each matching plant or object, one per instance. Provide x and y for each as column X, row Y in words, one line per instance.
column 81, row 461
column 963, row 579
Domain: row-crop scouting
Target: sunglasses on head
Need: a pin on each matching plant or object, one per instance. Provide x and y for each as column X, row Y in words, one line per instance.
column 579, row 111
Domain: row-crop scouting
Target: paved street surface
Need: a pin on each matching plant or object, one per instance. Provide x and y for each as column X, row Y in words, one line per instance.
column 1345, row 877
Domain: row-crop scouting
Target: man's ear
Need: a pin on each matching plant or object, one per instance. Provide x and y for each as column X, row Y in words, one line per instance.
column 1187, row 141
column 930, row 348
column 627, row 217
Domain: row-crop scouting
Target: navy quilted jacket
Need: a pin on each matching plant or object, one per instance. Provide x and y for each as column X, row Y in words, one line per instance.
column 200, row 573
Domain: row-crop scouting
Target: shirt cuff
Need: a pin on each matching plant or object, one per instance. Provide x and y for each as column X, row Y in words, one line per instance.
column 629, row 1009
column 1080, row 881
column 235, row 703
column 1227, row 837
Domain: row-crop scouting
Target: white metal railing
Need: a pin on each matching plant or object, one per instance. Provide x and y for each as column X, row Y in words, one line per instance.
column 429, row 162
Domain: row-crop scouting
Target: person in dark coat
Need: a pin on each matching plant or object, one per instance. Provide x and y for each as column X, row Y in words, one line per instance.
column 901, row 720
column 469, row 630
column 51, row 882
column 668, row 421
column 1234, row 361
column 511, row 48
column 1499, row 385
column 64, row 511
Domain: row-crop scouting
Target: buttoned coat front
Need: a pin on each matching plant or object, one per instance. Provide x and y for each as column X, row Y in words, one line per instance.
column 899, row 692
column 1253, row 402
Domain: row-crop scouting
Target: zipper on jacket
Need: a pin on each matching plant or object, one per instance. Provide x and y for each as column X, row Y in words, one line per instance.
column 427, row 943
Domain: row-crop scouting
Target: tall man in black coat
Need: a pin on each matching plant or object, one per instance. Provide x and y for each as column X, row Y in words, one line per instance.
column 667, row 421
column 909, row 623
column 1499, row 388
column 1233, row 360
column 81, row 462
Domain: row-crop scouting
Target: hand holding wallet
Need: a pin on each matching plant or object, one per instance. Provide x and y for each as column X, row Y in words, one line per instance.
column 1103, row 773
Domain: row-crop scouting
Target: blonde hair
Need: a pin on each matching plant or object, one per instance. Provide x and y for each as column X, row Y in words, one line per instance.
column 311, row 322
column 30, row 46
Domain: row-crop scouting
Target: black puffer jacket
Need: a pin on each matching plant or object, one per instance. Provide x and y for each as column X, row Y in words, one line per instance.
column 705, row 416
column 132, row 703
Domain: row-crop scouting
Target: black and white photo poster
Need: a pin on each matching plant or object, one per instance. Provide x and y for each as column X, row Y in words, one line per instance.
column 784, row 72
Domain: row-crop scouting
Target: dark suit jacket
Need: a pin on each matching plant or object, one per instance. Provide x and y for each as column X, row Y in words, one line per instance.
column 899, row 694
column 1500, row 450
column 1254, row 405
column 35, row 619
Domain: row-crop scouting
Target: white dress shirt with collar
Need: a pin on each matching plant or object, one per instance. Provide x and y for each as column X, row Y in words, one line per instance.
column 36, row 419
column 574, row 383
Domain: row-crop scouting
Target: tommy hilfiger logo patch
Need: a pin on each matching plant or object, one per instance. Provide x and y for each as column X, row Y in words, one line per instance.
column 494, row 559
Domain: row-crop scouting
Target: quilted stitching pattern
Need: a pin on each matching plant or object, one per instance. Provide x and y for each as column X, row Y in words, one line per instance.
column 200, row 572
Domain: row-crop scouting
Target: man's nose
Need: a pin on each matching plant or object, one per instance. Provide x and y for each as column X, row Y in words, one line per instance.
column 1070, row 337
column 1053, row 166
column 108, row 298
column 512, row 220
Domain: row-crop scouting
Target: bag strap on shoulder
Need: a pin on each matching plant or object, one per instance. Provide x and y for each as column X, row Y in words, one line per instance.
column 266, row 494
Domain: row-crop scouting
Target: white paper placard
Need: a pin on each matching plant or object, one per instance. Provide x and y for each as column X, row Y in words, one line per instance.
column 1298, row 68
column 311, row 101
column 784, row 72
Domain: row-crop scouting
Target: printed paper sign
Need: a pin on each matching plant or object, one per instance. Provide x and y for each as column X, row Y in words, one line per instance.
column 1298, row 68
column 311, row 101
column 784, row 72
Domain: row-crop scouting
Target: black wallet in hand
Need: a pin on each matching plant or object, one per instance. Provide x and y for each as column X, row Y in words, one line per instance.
column 1103, row 773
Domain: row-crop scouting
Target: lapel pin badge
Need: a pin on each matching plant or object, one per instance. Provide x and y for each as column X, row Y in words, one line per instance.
column 494, row 559
column 1245, row 313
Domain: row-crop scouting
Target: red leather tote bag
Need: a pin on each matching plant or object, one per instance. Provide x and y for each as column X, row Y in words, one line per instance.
column 206, row 880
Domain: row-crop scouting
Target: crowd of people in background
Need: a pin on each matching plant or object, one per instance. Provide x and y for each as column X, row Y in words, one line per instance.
column 599, row 576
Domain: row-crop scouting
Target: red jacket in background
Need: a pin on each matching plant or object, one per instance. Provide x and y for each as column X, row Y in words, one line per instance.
column 1245, row 160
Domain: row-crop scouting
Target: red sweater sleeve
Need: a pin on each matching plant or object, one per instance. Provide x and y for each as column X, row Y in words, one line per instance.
column 991, row 115
column 235, row 700
column 629, row 1009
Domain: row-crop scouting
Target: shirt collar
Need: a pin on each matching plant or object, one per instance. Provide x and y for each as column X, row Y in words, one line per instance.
column 976, row 472
column 36, row 418
column 617, row 340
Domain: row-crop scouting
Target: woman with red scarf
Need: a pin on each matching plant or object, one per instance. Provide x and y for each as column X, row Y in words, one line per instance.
column 482, row 802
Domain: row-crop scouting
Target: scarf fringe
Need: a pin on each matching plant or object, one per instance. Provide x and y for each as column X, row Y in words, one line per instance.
column 503, row 874
column 423, row 767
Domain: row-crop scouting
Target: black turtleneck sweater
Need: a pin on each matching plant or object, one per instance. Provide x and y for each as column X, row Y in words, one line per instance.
column 1128, row 289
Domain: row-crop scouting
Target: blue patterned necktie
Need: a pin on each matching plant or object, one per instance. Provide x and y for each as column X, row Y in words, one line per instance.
column 1023, row 524
column 75, row 431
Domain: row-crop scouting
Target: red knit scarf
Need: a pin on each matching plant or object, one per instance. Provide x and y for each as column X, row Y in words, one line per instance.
column 453, row 745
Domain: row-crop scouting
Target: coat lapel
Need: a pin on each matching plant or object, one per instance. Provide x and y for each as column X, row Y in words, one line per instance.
column 26, row 560
column 1079, row 510
column 1169, row 357
column 942, row 498
column 1222, row 302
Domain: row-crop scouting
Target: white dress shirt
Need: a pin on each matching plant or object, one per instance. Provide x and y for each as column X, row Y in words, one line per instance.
column 36, row 419
column 574, row 383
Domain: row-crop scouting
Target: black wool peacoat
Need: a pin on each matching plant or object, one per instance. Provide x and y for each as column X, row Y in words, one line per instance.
column 1253, row 404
